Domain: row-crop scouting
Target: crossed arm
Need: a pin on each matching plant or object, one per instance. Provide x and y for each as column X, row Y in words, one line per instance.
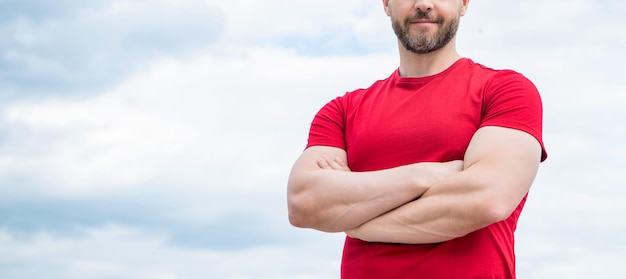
column 417, row 203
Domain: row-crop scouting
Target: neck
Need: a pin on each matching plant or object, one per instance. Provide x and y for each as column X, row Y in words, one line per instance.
column 421, row 65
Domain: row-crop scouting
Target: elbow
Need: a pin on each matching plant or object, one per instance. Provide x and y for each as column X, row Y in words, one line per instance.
column 296, row 221
column 495, row 203
column 296, row 217
column 494, row 211
column 297, row 204
column 478, row 216
column 303, row 208
column 483, row 212
column 304, row 214
column 300, row 213
column 306, row 211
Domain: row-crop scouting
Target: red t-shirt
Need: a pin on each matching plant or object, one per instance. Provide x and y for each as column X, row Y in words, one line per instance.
column 399, row 121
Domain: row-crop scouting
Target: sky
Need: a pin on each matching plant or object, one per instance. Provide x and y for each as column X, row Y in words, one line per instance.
column 154, row 138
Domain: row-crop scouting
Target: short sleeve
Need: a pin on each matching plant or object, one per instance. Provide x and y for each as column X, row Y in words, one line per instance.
column 513, row 101
column 328, row 126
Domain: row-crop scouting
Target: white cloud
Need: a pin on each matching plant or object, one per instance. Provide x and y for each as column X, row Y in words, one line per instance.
column 208, row 115
column 79, row 47
column 201, row 143
column 114, row 251
column 349, row 27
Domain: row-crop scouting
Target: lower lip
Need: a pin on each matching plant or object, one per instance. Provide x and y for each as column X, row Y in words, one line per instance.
column 423, row 23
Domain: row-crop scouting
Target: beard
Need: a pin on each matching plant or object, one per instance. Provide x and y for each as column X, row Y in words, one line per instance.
column 423, row 42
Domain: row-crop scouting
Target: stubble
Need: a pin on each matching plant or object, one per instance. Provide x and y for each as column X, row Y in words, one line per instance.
column 424, row 42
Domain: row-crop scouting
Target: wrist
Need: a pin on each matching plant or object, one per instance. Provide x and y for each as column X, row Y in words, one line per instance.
column 429, row 174
column 419, row 177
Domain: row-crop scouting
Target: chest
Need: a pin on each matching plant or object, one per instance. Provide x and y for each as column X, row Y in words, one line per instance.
column 388, row 129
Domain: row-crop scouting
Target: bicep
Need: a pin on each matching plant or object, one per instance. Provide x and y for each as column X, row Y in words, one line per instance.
column 504, row 162
column 308, row 159
column 308, row 162
column 506, row 146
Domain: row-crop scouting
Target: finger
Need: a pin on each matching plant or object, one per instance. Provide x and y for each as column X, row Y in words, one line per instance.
column 336, row 165
column 343, row 164
column 323, row 163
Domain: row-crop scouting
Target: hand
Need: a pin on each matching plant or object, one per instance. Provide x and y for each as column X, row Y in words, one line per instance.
column 354, row 233
column 332, row 164
column 430, row 174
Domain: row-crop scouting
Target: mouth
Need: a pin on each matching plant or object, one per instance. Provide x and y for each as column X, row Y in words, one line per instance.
column 418, row 21
column 423, row 23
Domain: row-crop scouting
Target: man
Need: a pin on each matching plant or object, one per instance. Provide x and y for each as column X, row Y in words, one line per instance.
column 426, row 171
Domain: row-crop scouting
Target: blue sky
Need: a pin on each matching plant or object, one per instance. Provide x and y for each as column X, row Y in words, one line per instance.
column 153, row 139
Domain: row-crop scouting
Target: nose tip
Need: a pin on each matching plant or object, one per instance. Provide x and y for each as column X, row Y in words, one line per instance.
column 424, row 5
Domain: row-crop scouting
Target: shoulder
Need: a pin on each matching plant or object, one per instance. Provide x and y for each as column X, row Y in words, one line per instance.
column 493, row 75
column 343, row 103
column 376, row 86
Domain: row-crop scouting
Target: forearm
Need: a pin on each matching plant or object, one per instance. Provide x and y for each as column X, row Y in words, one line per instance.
column 500, row 166
column 456, row 206
column 333, row 201
column 447, row 211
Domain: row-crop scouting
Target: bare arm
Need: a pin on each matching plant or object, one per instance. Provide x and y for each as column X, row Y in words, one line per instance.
column 328, row 198
column 499, row 168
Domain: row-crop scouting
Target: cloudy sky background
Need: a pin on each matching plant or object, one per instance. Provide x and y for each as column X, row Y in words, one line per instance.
column 153, row 139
